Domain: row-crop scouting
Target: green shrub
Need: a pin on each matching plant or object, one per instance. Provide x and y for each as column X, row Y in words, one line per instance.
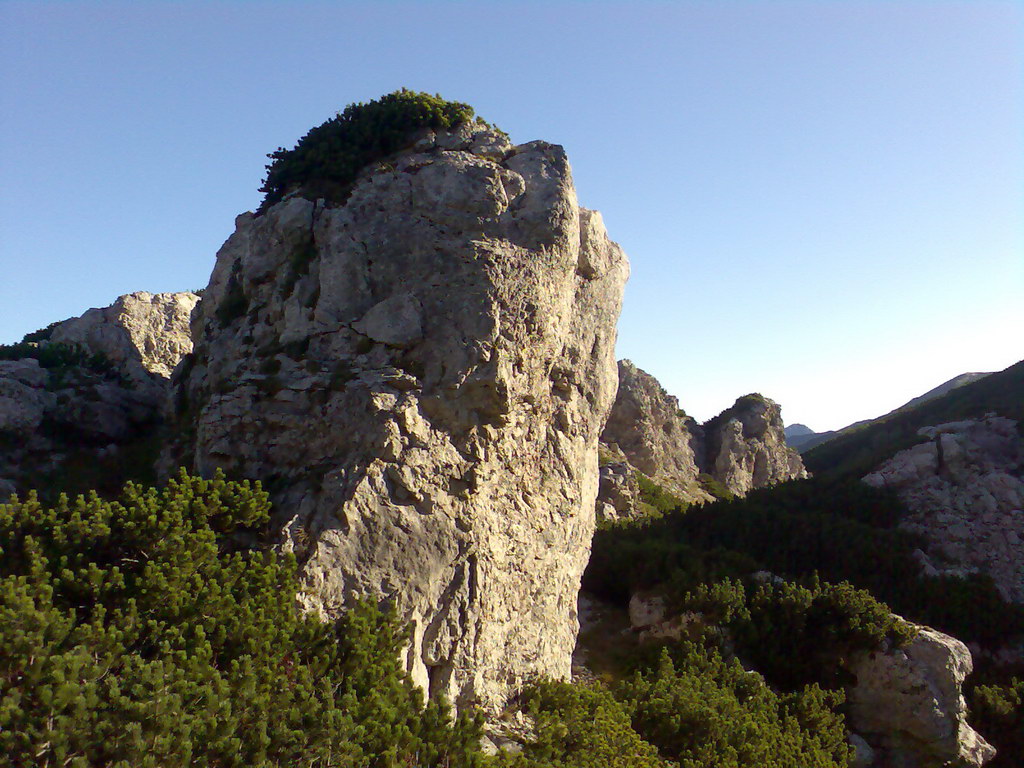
column 706, row 712
column 656, row 497
column 714, row 487
column 800, row 635
column 136, row 633
column 997, row 711
column 43, row 334
column 841, row 530
column 327, row 160
column 58, row 358
column 580, row 726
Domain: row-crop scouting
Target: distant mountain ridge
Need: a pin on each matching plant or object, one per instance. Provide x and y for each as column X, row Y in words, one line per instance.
column 803, row 438
column 857, row 450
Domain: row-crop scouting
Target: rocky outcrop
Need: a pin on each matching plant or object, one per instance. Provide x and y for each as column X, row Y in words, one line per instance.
column 746, row 446
column 618, row 492
column 908, row 703
column 420, row 373
column 655, row 435
column 741, row 449
column 143, row 334
column 71, row 410
column 965, row 488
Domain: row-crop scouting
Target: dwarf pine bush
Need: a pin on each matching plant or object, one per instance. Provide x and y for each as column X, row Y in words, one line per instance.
column 326, row 160
column 131, row 635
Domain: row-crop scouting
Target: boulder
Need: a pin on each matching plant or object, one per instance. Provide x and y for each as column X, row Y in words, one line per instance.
column 143, row 334
column 618, row 494
column 908, row 704
column 421, row 372
column 23, row 396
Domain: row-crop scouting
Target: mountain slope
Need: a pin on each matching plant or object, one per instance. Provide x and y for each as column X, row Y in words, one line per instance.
column 803, row 439
column 856, row 452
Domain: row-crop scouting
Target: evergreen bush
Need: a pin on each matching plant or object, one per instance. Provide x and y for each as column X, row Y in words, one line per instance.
column 131, row 634
column 326, row 161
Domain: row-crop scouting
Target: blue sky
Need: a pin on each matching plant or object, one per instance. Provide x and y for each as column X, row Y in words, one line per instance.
column 822, row 201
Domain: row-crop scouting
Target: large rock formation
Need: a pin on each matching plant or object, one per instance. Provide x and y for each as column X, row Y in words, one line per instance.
column 746, row 446
column 908, row 703
column 420, row 373
column 80, row 408
column 742, row 448
column 965, row 488
column 143, row 334
column 655, row 435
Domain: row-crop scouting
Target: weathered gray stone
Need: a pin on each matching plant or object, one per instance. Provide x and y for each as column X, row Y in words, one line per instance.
column 655, row 435
column 965, row 488
column 618, row 492
column 908, row 703
column 426, row 392
column 743, row 448
column 23, row 397
column 863, row 754
column 746, row 446
column 143, row 334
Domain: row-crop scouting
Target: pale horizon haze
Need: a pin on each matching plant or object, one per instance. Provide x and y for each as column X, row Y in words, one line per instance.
column 822, row 201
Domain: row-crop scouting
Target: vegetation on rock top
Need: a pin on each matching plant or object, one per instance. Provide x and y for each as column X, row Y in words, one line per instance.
column 326, row 161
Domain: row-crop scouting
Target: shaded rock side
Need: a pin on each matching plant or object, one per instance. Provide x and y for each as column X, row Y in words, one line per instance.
column 92, row 423
column 420, row 374
column 655, row 435
column 908, row 704
column 746, row 446
column 965, row 488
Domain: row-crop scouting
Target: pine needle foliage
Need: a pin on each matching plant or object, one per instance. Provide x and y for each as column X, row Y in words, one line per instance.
column 131, row 636
column 706, row 712
column 327, row 160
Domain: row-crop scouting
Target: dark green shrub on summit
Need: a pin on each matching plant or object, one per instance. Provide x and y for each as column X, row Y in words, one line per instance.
column 327, row 160
column 132, row 635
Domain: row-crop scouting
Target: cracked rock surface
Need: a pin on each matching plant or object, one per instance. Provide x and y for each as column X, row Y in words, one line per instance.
column 964, row 486
column 420, row 373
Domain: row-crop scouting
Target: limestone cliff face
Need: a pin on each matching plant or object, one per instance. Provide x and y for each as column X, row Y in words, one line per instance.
column 92, row 413
column 965, row 487
column 746, row 446
column 647, row 425
column 742, row 448
column 421, row 374
column 143, row 334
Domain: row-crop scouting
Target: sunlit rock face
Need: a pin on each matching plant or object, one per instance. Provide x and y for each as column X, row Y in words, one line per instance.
column 909, row 704
column 655, row 435
column 741, row 449
column 746, row 446
column 964, row 485
column 420, row 374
